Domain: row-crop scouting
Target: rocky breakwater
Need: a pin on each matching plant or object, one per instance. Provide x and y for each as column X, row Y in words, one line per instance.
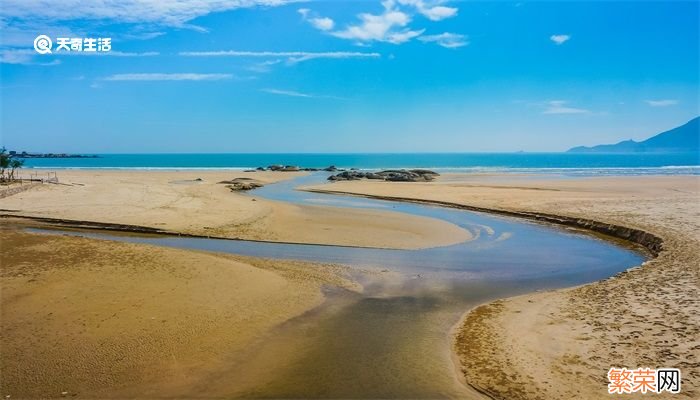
column 392, row 175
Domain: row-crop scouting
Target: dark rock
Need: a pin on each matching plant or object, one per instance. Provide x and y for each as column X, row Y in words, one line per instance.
column 401, row 177
column 415, row 175
column 347, row 176
column 242, row 184
column 332, row 168
column 260, row 169
column 424, row 172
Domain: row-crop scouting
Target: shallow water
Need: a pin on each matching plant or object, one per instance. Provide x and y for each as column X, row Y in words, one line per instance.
column 392, row 340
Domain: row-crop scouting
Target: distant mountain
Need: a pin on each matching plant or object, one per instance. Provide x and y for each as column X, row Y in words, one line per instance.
column 685, row 138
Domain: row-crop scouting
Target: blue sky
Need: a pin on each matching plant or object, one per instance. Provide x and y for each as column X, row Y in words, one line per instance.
column 353, row 76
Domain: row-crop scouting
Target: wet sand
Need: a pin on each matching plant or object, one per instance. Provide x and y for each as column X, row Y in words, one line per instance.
column 560, row 344
column 97, row 319
column 175, row 201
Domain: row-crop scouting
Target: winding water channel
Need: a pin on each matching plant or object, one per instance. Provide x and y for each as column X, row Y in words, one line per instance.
column 393, row 339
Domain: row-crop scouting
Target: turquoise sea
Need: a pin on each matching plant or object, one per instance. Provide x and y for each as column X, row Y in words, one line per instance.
column 564, row 163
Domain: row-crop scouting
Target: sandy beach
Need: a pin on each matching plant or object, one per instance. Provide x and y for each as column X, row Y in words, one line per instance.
column 385, row 199
column 181, row 316
column 94, row 318
column 176, row 201
column 560, row 344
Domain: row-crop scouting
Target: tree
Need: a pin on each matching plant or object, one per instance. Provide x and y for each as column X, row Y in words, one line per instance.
column 4, row 162
column 14, row 165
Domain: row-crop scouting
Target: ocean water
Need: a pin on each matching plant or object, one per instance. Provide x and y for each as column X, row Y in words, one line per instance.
column 562, row 163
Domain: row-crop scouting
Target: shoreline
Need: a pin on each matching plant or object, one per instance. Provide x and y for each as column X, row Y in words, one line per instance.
column 653, row 244
column 197, row 203
column 70, row 224
column 551, row 172
column 528, row 346
column 649, row 241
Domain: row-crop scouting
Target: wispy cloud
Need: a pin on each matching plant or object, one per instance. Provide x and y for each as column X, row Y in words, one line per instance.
column 290, row 93
column 291, row 56
column 25, row 57
column 265, row 66
column 31, row 57
column 559, row 39
column 560, row 107
column 168, row 77
column 170, row 13
column 392, row 25
column 662, row 103
column 113, row 54
column 21, row 20
column 447, row 39
column 294, row 93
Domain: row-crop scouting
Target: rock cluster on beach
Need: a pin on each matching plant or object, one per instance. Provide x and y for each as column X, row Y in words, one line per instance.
column 402, row 175
column 285, row 168
column 353, row 174
column 242, row 184
column 293, row 168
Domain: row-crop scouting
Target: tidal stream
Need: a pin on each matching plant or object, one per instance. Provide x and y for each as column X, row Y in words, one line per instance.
column 393, row 339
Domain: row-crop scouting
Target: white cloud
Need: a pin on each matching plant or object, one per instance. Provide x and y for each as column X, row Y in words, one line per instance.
column 560, row 107
column 171, row 12
column 388, row 26
column 31, row 57
column 403, row 36
column 25, row 57
column 323, row 23
column 106, row 54
column 144, row 35
column 320, row 23
column 431, row 10
column 662, row 103
column 22, row 34
column 391, row 25
column 264, row 66
column 168, row 77
column 22, row 20
column 559, row 39
column 447, row 39
column 293, row 93
column 290, row 93
column 291, row 56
